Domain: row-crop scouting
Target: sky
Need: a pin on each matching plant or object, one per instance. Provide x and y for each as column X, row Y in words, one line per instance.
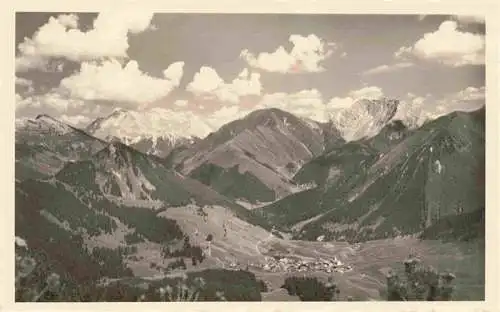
column 219, row 67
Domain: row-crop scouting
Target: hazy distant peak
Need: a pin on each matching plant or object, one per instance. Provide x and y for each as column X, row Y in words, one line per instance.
column 131, row 126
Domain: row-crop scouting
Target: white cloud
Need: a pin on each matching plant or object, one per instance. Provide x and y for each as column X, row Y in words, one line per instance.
column 387, row 68
column 471, row 94
column 25, row 85
column 470, row 19
column 306, row 56
column 208, row 84
column 23, row 82
column 109, row 81
column 367, row 93
column 24, row 63
column 205, row 81
column 53, row 101
column 75, row 120
column 174, row 72
column 466, row 100
column 447, row 45
column 305, row 103
column 416, row 110
column 181, row 103
column 342, row 103
column 226, row 114
column 61, row 38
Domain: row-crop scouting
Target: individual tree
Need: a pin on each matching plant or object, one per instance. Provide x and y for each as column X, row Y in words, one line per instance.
column 311, row 289
column 419, row 283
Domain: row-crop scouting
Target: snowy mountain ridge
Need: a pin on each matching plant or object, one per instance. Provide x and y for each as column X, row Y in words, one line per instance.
column 131, row 127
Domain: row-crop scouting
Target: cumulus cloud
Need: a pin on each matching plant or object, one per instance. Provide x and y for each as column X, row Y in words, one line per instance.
column 23, row 82
column 305, row 103
column 53, row 101
column 471, row 94
column 24, row 85
column 208, row 84
column 226, row 114
column 371, row 92
column 468, row 99
column 447, row 45
column 174, row 72
column 61, row 38
column 181, row 103
column 416, row 110
column 305, row 56
column 470, row 19
column 110, row 81
column 78, row 121
column 341, row 103
column 336, row 105
column 382, row 69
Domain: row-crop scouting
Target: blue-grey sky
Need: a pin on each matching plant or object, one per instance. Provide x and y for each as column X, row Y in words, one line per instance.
column 220, row 66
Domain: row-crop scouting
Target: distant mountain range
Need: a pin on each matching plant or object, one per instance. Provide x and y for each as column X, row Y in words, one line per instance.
column 97, row 189
column 155, row 132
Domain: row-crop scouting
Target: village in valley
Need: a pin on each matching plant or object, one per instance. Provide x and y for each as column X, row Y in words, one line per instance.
column 293, row 264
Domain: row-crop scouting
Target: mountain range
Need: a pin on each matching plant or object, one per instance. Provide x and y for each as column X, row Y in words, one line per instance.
column 120, row 191
column 396, row 183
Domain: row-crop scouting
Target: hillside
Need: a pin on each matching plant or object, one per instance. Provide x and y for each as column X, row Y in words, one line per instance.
column 262, row 151
column 426, row 175
column 44, row 145
column 127, row 176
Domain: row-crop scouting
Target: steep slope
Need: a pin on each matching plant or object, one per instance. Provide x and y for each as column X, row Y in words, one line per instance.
column 126, row 176
column 262, row 150
column 431, row 175
column 116, row 207
column 334, row 172
column 154, row 132
column 44, row 145
column 398, row 182
column 56, row 226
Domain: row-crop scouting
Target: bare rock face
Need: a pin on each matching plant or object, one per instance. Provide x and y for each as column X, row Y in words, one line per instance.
column 365, row 118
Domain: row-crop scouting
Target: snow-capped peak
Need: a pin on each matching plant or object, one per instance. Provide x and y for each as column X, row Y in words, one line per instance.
column 131, row 126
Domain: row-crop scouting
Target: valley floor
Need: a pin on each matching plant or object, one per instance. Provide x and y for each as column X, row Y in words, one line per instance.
column 245, row 246
column 371, row 260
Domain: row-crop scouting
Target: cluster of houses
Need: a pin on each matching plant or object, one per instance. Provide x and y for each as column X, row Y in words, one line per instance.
column 289, row 264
